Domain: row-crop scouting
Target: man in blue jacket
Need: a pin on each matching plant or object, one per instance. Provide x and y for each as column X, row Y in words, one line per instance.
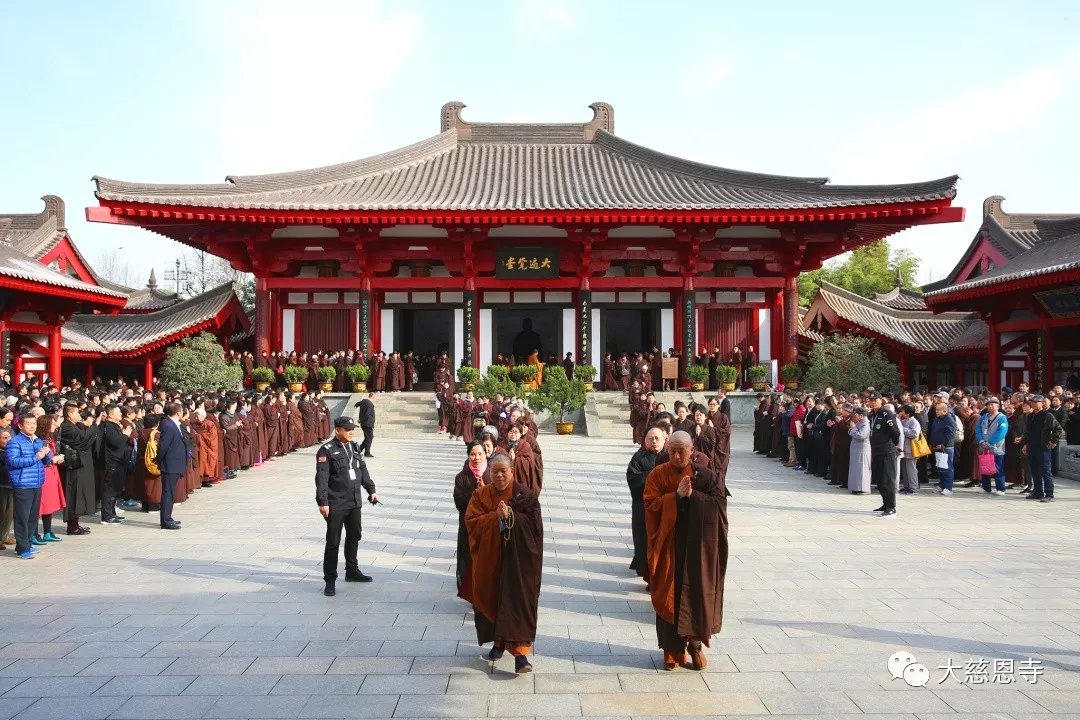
column 26, row 456
column 990, row 432
column 172, row 460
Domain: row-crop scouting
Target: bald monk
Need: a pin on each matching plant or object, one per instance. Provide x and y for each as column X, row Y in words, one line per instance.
column 686, row 520
column 506, row 547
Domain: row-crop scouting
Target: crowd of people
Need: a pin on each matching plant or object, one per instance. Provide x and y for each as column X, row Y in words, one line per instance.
column 859, row 441
column 646, row 369
column 94, row 450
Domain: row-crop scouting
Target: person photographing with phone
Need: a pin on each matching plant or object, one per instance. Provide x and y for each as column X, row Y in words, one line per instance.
column 26, row 456
column 340, row 477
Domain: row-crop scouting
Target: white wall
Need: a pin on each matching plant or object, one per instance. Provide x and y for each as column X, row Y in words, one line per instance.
column 667, row 329
column 569, row 333
column 485, row 357
column 386, row 325
column 455, row 342
column 764, row 343
column 288, row 330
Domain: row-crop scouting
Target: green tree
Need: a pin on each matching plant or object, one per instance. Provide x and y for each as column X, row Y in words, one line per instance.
column 850, row 362
column 870, row 269
column 198, row 363
column 558, row 394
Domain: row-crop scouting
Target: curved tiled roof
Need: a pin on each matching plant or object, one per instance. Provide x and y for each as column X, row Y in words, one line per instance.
column 15, row 264
column 917, row 329
column 124, row 333
column 900, row 298
column 1058, row 250
column 473, row 166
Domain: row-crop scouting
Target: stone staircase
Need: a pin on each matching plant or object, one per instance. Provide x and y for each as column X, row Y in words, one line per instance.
column 396, row 414
column 611, row 411
column 1069, row 462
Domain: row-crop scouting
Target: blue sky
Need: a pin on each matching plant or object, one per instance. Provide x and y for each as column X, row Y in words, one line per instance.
column 856, row 91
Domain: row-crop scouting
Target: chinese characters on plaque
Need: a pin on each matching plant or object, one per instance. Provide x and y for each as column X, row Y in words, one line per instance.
column 531, row 262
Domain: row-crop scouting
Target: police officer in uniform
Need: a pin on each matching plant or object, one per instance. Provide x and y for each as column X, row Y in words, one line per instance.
column 884, row 440
column 340, row 475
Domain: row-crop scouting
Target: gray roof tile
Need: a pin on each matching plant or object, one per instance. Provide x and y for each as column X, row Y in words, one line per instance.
column 125, row 333
column 474, row 166
column 18, row 265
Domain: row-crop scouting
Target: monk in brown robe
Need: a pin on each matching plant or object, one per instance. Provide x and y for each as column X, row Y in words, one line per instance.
column 474, row 474
column 151, row 484
column 296, row 425
column 323, row 430
column 526, row 470
column 380, row 372
column 247, row 436
column 396, row 373
column 607, row 380
column 230, row 427
column 307, row 420
column 686, row 520
column 506, row 548
column 272, row 419
column 205, row 435
column 410, row 371
column 217, row 435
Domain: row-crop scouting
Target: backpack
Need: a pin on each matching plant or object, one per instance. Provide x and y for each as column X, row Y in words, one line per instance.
column 151, row 453
column 959, row 428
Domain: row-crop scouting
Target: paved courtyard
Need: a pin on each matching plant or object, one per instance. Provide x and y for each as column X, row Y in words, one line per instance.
column 226, row 619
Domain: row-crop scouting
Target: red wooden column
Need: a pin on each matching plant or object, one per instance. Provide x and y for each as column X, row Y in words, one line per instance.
column 89, row 372
column 993, row 381
column 1046, row 382
column 958, row 374
column 903, row 365
column 17, row 365
column 55, row 341
column 148, row 374
column 776, row 327
column 791, row 320
column 262, row 317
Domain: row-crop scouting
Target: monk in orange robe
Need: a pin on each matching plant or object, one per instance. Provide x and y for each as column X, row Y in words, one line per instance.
column 686, row 522
column 506, row 547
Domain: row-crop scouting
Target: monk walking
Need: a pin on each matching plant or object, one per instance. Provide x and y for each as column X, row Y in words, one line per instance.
column 506, row 545
column 686, row 520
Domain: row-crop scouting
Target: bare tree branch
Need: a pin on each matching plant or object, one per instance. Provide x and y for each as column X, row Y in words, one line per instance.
column 114, row 267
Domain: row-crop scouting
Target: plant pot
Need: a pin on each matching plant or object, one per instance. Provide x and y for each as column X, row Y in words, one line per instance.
column 359, row 387
column 261, row 386
column 296, row 387
column 760, row 386
column 588, row 387
column 467, row 387
column 564, row 428
column 729, row 386
column 697, row 387
column 791, row 384
column 326, row 387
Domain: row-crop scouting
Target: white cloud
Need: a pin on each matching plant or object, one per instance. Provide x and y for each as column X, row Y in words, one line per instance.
column 550, row 13
column 910, row 145
column 704, row 74
column 304, row 79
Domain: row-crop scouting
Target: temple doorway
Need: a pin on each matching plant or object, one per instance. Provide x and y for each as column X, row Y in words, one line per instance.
column 631, row 330
column 425, row 333
column 518, row 330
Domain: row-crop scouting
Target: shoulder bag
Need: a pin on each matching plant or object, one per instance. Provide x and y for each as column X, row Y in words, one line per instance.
column 73, row 459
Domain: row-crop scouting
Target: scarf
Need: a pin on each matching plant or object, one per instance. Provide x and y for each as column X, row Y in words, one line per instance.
column 478, row 472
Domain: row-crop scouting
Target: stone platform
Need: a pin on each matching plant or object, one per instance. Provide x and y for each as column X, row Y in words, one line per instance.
column 225, row 618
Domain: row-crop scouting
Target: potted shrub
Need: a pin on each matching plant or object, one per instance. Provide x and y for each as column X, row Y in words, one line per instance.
column 498, row 372
column 496, row 381
column 358, row 375
column 587, row 375
column 525, row 375
column 262, row 377
column 759, row 376
column 325, row 375
column 559, row 395
column 295, row 377
column 726, row 375
column 790, row 375
column 697, row 375
column 468, row 376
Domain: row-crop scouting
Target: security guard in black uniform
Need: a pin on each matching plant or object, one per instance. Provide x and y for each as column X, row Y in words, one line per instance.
column 884, row 441
column 340, row 474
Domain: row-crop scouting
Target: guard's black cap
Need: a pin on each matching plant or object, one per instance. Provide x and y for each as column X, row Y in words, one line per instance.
column 875, row 395
column 345, row 422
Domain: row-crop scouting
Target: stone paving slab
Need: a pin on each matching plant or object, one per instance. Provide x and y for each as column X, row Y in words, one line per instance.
column 225, row 619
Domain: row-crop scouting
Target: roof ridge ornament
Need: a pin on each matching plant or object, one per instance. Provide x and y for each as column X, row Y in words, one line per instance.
column 603, row 119
column 450, row 117
column 992, row 209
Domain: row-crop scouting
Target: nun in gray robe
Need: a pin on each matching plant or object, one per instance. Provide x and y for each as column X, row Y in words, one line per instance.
column 859, row 467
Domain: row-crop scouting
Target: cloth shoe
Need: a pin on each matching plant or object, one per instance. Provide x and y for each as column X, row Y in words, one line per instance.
column 522, row 665
column 495, row 654
column 697, row 657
